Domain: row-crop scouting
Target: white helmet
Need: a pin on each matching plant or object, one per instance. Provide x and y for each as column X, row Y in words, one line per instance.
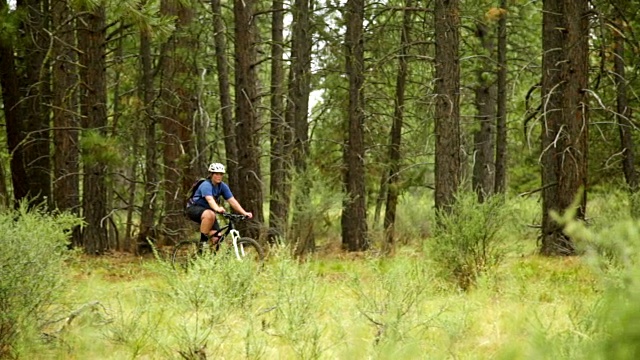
column 216, row 168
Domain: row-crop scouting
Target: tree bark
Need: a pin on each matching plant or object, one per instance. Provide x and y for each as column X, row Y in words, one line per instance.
column 447, row 107
column 485, row 103
column 93, row 107
column 116, row 99
column 178, row 95
column 395, row 136
column 280, row 164
column 354, row 211
column 565, row 121
column 226, row 107
column 296, row 136
column 249, row 186
column 35, row 85
column 12, row 111
column 66, row 180
column 623, row 111
column 148, row 119
column 501, row 117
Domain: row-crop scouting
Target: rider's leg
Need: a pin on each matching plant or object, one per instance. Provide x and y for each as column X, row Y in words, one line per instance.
column 213, row 234
column 197, row 214
column 208, row 218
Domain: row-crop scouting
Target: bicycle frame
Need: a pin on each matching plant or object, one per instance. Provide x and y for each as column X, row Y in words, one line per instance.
column 243, row 247
column 230, row 229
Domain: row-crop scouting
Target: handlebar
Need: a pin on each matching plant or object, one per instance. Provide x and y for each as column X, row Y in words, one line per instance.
column 233, row 217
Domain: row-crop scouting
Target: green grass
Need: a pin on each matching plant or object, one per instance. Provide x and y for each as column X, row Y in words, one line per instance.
column 324, row 308
column 355, row 306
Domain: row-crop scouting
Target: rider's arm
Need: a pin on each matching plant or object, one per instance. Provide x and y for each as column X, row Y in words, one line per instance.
column 213, row 205
column 237, row 207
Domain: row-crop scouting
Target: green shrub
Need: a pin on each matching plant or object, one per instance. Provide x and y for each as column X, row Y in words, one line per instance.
column 294, row 304
column 613, row 250
column 32, row 252
column 214, row 289
column 391, row 297
column 466, row 241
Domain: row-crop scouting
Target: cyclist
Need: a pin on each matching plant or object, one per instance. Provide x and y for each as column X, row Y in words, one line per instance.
column 205, row 203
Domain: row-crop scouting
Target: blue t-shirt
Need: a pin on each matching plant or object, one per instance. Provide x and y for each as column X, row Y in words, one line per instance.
column 207, row 188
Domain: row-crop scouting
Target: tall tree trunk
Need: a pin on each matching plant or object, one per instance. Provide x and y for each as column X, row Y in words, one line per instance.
column 132, row 173
column 447, row 107
column 485, row 103
column 148, row 118
column 280, row 173
column 228, row 125
column 35, row 91
column 115, row 96
column 501, row 118
column 249, row 186
column 66, row 181
column 354, row 211
column 395, row 136
column 178, row 94
column 565, row 121
column 93, row 107
column 296, row 137
column 9, row 81
column 623, row 113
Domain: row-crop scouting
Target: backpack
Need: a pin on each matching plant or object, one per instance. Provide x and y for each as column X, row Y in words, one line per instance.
column 192, row 191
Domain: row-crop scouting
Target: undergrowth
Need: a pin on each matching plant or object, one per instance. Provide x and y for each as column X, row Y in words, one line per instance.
column 467, row 240
column 357, row 305
column 32, row 254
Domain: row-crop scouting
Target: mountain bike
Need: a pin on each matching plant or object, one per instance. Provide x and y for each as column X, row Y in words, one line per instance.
column 243, row 248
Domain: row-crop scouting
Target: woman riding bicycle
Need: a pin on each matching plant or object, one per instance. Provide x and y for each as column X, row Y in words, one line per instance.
column 204, row 204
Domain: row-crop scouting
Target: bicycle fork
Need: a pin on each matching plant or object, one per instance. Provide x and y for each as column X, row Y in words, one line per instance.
column 239, row 250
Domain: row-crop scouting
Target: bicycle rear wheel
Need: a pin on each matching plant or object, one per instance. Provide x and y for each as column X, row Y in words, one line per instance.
column 249, row 249
column 184, row 253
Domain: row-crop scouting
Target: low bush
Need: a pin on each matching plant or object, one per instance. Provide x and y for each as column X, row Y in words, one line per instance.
column 392, row 300
column 467, row 242
column 32, row 254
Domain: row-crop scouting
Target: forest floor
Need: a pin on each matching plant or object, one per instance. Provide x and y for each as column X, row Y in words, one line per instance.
column 333, row 306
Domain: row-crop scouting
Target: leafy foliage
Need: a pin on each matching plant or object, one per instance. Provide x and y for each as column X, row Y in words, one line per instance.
column 8, row 25
column 467, row 241
column 34, row 245
column 99, row 149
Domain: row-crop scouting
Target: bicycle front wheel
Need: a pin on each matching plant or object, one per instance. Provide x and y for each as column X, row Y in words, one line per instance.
column 249, row 249
column 184, row 253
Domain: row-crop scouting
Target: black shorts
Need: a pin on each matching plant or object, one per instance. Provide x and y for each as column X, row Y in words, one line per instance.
column 194, row 213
